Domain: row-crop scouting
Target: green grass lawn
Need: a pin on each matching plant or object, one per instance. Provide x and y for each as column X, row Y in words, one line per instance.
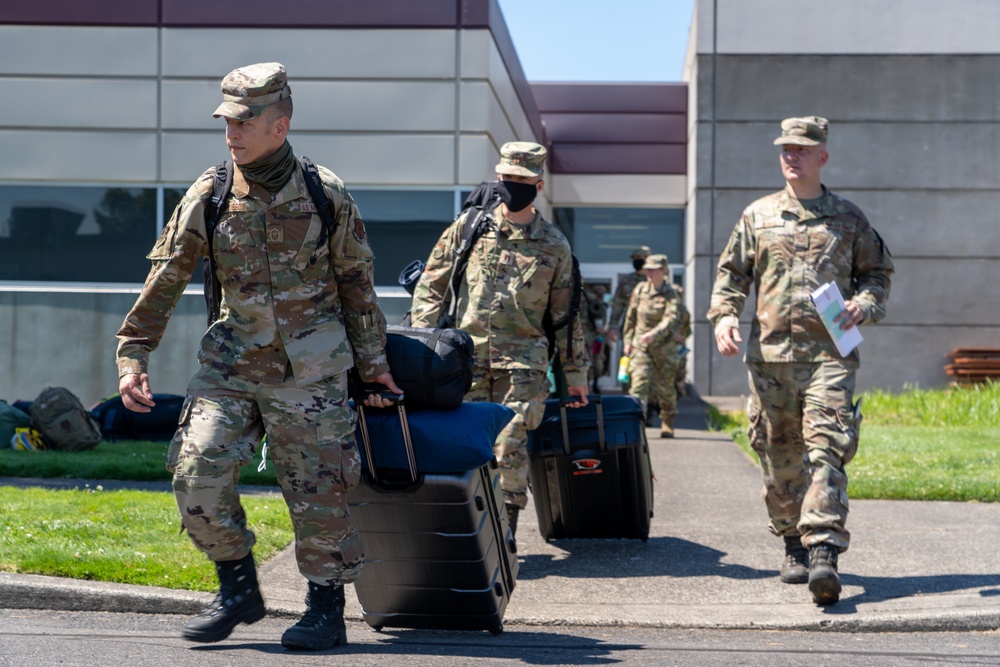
column 918, row 444
column 119, row 536
column 135, row 461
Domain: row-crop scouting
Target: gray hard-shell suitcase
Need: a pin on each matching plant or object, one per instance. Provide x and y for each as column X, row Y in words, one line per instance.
column 439, row 552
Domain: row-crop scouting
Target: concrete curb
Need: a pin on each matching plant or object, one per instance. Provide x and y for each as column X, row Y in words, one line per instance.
column 963, row 612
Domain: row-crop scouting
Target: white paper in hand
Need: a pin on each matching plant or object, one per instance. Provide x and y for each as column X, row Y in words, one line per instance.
column 830, row 303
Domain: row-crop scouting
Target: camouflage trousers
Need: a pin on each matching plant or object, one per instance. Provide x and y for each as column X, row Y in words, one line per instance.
column 524, row 392
column 803, row 429
column 652, row 374
column 310, row 439
column 598, row 359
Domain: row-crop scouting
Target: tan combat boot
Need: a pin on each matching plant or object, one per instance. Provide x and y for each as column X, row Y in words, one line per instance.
column 666, row 426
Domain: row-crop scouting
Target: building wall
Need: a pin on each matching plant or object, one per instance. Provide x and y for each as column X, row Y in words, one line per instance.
column 911, row 92
column 132, row 105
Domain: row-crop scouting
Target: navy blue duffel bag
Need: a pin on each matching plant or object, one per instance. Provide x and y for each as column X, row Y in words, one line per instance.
column 444, row 441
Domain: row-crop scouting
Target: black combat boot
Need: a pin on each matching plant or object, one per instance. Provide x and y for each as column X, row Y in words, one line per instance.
column 238, row 601
column 322, row 626
column 824, row 582
column 795, row 566
column 512, row 512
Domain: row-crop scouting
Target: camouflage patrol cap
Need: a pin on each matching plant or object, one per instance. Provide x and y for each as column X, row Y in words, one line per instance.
column 247, row 91
column 806, row 131
column 642, row 251
column 655, row 262
column 522, row 158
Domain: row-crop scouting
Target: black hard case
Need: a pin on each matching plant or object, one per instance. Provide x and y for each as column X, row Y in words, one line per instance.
column 590, row 473
column 439, row 552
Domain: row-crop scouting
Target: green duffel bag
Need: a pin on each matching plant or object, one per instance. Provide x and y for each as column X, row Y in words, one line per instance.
column 11, row 419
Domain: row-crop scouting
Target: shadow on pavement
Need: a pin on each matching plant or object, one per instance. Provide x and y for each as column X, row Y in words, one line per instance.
column 658, row 557
column 880, row 589
column 530, row 648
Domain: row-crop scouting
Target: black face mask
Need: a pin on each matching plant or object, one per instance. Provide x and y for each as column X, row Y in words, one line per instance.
column 637, row 263
column 517, row 196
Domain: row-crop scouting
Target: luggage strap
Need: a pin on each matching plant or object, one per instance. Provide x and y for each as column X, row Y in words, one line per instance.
column 563, row 402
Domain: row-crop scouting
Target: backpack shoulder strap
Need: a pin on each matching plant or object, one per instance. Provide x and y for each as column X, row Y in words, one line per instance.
column 576, row 297
column 324, row 205
column 214, row 205
column 216, row 202
column 477, row 222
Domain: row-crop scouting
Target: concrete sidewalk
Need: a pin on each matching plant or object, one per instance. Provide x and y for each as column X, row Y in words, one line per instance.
column 709, row 562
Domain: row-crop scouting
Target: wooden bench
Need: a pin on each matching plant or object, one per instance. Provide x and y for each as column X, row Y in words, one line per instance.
column 974, row 365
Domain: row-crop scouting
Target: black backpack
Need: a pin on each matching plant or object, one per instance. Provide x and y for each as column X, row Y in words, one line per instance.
column 216, row 203
column 483, row 202
column 484, row 199
column 159, row 424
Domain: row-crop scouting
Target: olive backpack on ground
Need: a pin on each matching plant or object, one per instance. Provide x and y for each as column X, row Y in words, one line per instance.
column 63, row 421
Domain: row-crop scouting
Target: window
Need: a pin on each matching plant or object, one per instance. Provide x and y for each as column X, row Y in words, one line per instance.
column 402, row 226
column 102, row 234
column 87, row 234
column 609, row 235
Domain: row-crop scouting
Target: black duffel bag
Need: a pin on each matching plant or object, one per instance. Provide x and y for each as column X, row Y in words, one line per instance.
column 119, row 423
column 433, row 367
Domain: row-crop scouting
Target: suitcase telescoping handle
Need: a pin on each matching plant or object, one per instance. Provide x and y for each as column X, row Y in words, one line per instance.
column 563, row 402
column 366, row 441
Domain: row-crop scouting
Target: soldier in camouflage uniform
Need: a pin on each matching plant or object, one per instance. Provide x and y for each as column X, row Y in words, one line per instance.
column 680, row 377
column 593, row 312
column 787, row 245
column 518, row 269
column 650, row 336
column 627, row 283
column 294, row 317
column 623, row 292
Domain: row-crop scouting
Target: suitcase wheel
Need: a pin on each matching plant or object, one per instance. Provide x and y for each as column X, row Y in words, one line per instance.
column 496, row 628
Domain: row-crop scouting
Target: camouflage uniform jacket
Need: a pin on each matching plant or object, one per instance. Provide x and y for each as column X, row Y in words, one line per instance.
column 652, row 310
column 592, row 313
column 685, row 315
column 626, row 284
column 787, row 252
column 514, row 275
column 285, row 300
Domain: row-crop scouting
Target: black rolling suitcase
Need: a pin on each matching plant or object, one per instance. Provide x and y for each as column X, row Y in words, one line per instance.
column 439, row 552
column 590, row 473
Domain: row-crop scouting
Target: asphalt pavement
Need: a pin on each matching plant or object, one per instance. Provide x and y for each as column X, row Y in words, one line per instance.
column 709, row 562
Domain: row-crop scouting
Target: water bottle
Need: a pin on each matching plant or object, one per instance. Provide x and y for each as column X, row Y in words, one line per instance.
column 623, row 372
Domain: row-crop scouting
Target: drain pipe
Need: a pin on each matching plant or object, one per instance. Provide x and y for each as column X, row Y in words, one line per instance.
column 711, row 209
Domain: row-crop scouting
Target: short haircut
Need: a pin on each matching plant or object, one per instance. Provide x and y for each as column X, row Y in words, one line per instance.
column 278, row 109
